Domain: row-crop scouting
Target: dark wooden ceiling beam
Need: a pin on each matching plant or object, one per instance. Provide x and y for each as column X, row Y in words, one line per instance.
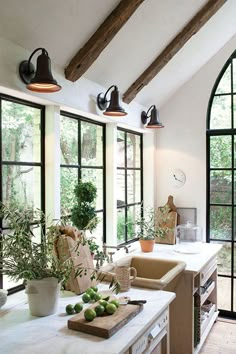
column 87, row 55
column 196, row 23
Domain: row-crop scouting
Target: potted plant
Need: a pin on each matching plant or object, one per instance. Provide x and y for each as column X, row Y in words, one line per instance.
column 34, row 260
column 24, row 257
column 148, row 226
column 83, row 213
column 84, row 216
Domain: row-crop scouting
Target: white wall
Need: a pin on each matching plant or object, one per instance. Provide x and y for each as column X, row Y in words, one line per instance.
column 182, row 144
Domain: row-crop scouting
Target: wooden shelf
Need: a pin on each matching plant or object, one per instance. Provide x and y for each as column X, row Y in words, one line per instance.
column 208, row 323
column 205, row 322
column 207, row 293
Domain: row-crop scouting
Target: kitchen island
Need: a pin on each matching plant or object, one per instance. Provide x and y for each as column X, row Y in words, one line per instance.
column 21, row 333
column 188, row 328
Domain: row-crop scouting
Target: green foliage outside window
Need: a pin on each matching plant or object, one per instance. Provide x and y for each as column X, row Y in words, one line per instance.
column 121, row 221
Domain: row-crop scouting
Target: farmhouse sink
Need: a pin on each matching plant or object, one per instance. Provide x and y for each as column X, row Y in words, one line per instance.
column 157, row 273
column 152, row 273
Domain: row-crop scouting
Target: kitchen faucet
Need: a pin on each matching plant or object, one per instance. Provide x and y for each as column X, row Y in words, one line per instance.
column 105, row 247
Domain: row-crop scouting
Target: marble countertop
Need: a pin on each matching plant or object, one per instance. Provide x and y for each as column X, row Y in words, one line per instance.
column 194, row 262
column 21, row 333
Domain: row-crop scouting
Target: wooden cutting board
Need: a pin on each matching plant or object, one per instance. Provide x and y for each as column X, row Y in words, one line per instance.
column 107, row 325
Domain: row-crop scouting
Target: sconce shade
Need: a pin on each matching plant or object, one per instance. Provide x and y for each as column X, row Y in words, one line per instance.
column 154, row 120
column 114, row 108
column 41, row 80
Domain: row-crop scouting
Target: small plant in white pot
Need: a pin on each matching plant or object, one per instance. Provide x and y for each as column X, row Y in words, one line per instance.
column 31, row 258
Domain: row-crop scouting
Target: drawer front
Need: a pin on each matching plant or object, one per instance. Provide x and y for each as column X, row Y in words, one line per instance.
column 152, row 337
column 208, row 270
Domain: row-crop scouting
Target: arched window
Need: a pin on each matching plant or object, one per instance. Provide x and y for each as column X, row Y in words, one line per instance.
column 221, row 182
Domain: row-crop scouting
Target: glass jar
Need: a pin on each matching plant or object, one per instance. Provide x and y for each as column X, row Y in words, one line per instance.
column 188, row 233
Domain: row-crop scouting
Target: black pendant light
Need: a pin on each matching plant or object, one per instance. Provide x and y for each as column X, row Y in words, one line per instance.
column 114, row 108
column 40, row 80
column 154, row 118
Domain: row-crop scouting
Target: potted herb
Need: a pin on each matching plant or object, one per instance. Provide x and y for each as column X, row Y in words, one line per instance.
column 24, row 257
column 83, row 213
column 148, row 226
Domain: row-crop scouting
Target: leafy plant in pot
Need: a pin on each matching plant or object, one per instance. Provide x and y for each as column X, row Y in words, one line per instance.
column 84, row 216
column 148, row 226
column 83, row 213
column 25, row 257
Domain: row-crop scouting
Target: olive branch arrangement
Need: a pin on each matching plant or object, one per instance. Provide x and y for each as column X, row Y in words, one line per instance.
column 28, row 248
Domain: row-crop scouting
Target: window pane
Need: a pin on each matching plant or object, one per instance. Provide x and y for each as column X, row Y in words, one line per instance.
column 120, row 148
column 69, row 178
column 220, row 151
column 120, row 187
column 69, row 141
column 22, row 185
column 133, row 150
column 225, row 82
column 234, row 245
column 131, row 215
column 20, row 132
column 234, row 151
column 234, row 75
column 224, row 259
column 91, row 144
column 220, row 222
column 221, row 187
column 8, row 283
column 120, row 225
column 134, row 186
column 98, row 232
column 96, row 177
column 234, row 108
column 234, row 300
column 224, row 293
column 221, row 113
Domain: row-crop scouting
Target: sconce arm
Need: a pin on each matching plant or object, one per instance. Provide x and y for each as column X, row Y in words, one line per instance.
column 32, row 54
column 153, row 106
column 113, row 86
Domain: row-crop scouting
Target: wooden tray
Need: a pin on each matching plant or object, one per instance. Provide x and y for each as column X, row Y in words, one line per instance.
column 107, row 325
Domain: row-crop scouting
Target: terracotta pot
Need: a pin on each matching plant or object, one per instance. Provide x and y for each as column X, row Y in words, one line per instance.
column 147, row 245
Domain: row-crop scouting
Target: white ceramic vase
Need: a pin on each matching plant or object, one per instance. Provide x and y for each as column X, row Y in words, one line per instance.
column 3, row 297
column 43, row 296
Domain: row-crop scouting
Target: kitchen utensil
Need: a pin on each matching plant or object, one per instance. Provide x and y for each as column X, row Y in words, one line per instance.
column 126, row 300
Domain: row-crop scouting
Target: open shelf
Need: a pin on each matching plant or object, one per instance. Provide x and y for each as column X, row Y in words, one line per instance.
column 207, row 293
column 208, row 323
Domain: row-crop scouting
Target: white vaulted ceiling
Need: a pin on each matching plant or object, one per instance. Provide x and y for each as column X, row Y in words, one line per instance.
column 63, row 27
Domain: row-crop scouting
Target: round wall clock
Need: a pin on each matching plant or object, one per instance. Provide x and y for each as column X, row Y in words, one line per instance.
column 177, row 178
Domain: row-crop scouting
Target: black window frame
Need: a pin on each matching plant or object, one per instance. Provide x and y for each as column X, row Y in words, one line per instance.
column 38, row 164
column 126, row 205
column 79, row 165
column 223, row 132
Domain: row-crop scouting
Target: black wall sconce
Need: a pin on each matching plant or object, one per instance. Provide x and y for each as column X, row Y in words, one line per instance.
column 154, row 118
column 41, row 79
column 114, row 108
